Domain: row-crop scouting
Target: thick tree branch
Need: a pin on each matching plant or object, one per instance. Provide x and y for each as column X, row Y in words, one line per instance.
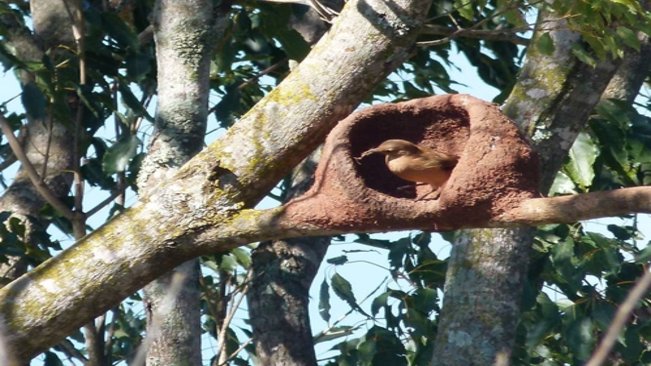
column 181, row 218
column 252, row 225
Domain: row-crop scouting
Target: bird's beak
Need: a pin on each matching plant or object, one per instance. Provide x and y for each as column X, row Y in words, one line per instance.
column 369, row 152
column 365, row 154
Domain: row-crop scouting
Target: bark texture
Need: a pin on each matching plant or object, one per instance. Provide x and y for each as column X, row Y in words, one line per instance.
column 183, row 57
column 279, row 298
column 552, row 101
column 46, row 142
column 283, row 271
column 482, row 291
column 184, row 217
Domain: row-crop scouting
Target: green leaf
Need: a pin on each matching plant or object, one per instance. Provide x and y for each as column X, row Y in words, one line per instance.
column 632, row 5
column 412, row 91
column 607, row 258
column 465, row 8
column 419, row 324
column 227, row 263
column 276, row 26
column 582, row 156
column 583, row 55
column 645, row 254
column 33, row 100
column 132, row 102
column 379, row 302
column 603, row 314
column 334, row 333
column 119, row 30
column 367, row 350
column 368, row 240
column 337, row 261
column 615, row 112
column 226, row 109
column 562, row 185
column 562, row 258
column 580, row 338
column 622, row 233
column 96, row 176
column 242, row 256
column 629, row 37
column 382, row 348
column 17, row 226
column 633, row 346
column 397, row 252
column 324, row 301
column 7, row 58
column 344, row 291
column 117, row 157
column 545, row 44
column 425, row 300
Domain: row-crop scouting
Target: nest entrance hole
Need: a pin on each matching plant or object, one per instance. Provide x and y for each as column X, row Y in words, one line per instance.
column 445, row 130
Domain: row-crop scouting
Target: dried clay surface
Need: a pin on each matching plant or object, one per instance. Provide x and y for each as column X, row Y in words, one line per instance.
column 497, row 169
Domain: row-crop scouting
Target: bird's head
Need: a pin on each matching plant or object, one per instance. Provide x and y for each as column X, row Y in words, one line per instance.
column 394, row 148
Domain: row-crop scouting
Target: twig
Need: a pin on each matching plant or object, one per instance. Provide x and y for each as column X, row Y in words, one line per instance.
column 105, row 202
column 238, row 350
column 110, row 333
column 71, row 351
column 473, row 29
column 221, row 339
column 48, row 146
column 262, row 73
column 33, row 175
column 624, row 311
column 508, row 34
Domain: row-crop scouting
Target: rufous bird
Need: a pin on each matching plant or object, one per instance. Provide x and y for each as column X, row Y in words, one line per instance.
column 416, row 163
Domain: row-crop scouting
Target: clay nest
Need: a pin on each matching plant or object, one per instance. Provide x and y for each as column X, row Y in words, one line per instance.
column 496, row 170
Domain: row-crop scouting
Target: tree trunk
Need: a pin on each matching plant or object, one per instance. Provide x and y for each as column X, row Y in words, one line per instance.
column 278, row 299
column 487, row 268
column 39, row 135
column 45, row 141
column 183, row 57
column 486, row 272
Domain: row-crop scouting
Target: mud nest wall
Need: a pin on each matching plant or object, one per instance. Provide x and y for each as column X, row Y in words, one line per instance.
column 497, row 169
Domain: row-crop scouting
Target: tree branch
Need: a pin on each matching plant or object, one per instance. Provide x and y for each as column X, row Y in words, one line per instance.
column 508, row 35
column 37, row 181
column 568, row 209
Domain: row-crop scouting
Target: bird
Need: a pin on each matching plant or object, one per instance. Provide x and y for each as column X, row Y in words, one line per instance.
column 416, row 163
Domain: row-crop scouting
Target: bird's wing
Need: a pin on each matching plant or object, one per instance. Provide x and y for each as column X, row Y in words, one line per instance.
column 437, row 159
